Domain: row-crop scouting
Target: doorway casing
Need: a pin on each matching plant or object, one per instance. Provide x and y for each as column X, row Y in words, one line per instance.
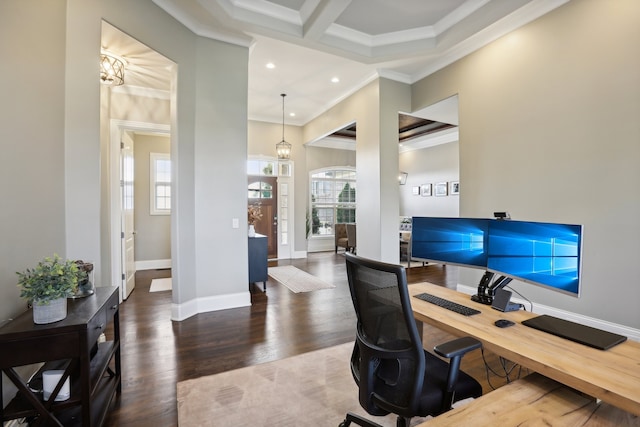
column 116, row 128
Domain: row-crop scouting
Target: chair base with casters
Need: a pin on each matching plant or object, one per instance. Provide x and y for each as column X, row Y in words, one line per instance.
column 395, row 375
column 357, row 419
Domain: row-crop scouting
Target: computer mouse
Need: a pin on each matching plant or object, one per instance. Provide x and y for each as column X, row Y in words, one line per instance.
column 503, row 323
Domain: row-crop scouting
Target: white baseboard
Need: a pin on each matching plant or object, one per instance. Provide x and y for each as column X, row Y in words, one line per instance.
column 204, row 305
column 321, row 244
column 153, row 264
column 299, row 254
column 631, row 333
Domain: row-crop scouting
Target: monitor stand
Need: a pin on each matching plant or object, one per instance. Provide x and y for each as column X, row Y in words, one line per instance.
column 487, row 290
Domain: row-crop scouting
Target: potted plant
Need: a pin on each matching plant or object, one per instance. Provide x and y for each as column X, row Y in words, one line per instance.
column 254, row 214
column 47, row 286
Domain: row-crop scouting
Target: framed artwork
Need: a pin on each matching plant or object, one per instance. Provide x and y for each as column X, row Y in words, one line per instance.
column 440, row 189
column 415, row 190
column 454, row 188
column 425, row 190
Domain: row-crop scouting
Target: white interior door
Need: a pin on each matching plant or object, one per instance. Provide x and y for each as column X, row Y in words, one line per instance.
column 128, row 231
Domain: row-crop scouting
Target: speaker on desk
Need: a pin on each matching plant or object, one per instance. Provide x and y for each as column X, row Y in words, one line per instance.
column 501, row 301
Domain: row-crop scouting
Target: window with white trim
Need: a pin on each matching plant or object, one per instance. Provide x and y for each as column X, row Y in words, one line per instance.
column 333, row 199
column 160, row 184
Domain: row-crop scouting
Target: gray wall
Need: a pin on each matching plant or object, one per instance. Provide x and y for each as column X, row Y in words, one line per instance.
column 549, row 132
column 319, row 157
column 429, row 166
column 153, row 232
column 32, row 222
column 53, row 145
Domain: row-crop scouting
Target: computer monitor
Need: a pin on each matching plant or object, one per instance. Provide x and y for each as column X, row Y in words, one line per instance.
column 545, row 254
column 458, row 241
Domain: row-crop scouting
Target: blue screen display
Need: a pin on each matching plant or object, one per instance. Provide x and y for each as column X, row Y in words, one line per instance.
column 450, row 240
column 544, row 253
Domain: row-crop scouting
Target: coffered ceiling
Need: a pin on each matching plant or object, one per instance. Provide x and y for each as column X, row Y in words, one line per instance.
column 311, row 42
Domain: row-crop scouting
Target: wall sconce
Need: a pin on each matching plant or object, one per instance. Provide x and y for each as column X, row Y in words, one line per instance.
column 402, row 178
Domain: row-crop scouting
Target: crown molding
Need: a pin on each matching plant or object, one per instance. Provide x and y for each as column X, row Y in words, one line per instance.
column 431, row 140
column 524, row 15
column 192, row 24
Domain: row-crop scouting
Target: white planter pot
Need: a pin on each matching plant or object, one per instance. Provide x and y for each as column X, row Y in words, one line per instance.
column 48, row 313
column 252, row 231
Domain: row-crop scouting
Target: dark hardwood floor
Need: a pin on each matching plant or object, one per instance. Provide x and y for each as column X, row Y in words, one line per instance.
column 157, row 353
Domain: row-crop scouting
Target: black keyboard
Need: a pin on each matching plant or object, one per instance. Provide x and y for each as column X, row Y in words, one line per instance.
column 449, row 305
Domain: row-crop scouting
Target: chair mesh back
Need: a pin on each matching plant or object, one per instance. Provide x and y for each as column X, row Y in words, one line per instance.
column 390, row 350
column 379, row 309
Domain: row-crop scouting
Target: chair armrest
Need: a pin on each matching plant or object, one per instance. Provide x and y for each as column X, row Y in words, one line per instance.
column 458, row 347
column 454, row 351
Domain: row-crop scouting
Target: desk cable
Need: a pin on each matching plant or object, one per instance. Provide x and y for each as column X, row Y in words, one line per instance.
column 524, row 298
column 507, row 368
column 504, row 365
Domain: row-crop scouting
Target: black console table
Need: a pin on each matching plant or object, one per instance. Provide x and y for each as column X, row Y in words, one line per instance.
column 70, row 345
column 258, row 260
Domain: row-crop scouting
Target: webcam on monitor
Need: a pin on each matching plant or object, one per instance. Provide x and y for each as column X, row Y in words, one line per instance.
column 501, row 215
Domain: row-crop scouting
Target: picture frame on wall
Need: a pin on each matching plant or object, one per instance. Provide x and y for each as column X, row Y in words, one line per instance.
column 425, row 190
column 454, row 188
column 440, row 189
column 415, row 190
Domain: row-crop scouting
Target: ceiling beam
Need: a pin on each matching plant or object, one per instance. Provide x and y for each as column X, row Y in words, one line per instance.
column 323, row 16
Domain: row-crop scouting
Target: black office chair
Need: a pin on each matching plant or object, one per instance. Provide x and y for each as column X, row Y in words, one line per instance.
column 393, row 372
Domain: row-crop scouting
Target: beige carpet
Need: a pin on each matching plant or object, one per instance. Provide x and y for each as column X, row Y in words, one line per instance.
column 312, row 389
column 159, row 285
column 297, row 280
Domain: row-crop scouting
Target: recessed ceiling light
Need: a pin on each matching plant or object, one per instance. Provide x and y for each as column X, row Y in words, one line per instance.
column 335, row 80
column 292, row 114
column 271, row 65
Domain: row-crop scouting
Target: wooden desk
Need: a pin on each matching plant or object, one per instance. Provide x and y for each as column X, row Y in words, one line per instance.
column 534, row 400
column 612, row 375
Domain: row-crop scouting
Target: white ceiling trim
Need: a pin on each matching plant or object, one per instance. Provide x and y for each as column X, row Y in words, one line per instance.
column 465, row 9
column 319, row 18
column 334, row 143
column 443, row 137
column 502, row 27
column 354, row 89
column 238, row 8
column 177, row 12
column 426, row 33
column 427, row 141
column 405, row 56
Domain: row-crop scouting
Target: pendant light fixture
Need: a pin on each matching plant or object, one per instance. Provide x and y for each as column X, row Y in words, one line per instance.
column 111, row 69
column 283, row 147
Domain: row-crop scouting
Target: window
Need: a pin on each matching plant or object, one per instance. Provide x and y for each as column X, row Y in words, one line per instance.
column 261, row 167
column 160, row 184
column 127, row 183
column 333, row 199
column 260, row 190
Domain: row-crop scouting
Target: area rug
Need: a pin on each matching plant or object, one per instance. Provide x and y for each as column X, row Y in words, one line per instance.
column 312, row 389
column 297, row 280
column 159, row 285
